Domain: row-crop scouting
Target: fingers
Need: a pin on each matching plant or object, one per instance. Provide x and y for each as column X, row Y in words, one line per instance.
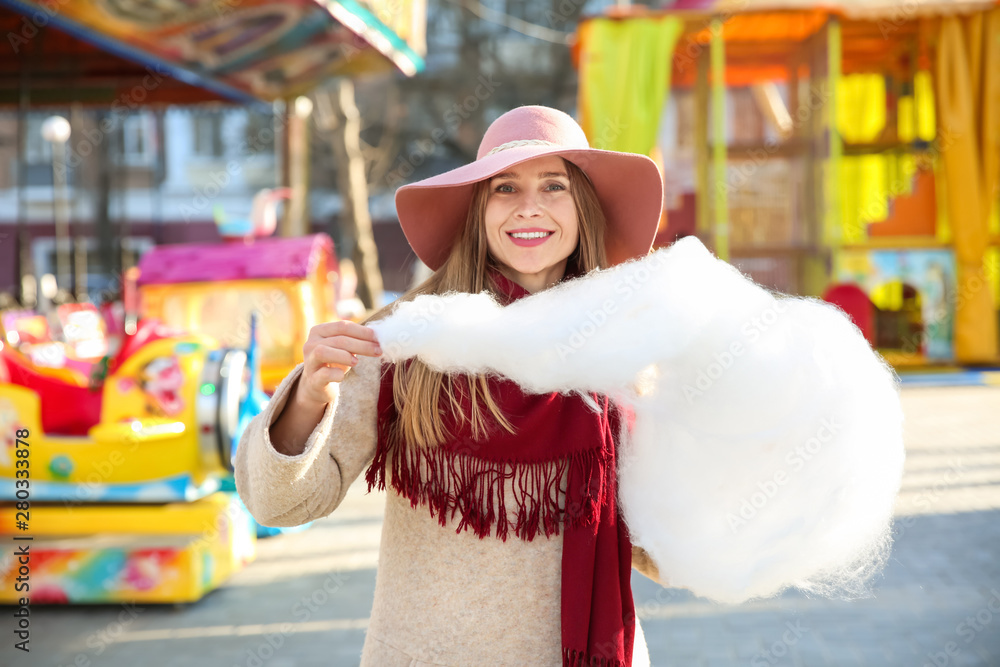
column 338, row 350
column 344, row 328
column 345, row 335
column 314, row 387
column 327, row 374
column 351, row 344
column 331, row 351
column 321, row 355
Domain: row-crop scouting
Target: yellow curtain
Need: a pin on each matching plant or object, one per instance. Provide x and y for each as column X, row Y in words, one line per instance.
column 861, row 107
column 869, row 182
column 624, row 78
column 916, row 116
column 968, row 83
column 861, row 118
column 916, row 120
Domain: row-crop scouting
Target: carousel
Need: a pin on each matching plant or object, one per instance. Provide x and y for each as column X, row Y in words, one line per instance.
column 118, row 424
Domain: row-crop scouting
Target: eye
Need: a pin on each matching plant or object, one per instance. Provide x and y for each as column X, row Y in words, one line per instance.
column 555, row 186
column 504, row 187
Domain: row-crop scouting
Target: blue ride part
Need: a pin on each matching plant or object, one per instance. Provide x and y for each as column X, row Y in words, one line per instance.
column 253, row 404
column 177, row 488
column 256, row 400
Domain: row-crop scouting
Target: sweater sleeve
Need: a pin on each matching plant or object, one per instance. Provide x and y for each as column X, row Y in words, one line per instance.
column 282, row 490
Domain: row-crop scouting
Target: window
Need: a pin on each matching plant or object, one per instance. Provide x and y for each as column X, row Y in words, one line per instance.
column 36, row 149
column 260, row 133
column 208, row 135
column 138, row 139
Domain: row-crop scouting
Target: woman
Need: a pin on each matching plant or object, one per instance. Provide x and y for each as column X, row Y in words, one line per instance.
column 502, row 542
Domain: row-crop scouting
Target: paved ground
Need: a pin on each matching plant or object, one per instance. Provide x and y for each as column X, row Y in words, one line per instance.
column 306, row 599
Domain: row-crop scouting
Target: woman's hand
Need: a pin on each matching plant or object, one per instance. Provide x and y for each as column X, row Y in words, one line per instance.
column 329, row 353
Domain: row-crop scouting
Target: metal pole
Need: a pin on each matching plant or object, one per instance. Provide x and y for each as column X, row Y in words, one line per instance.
column 832, row 218
column 703, row 163
column 719, row 152
column 296, row 221
column 63, row 268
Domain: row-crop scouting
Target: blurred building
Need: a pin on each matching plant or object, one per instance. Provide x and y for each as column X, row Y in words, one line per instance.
column 142, row 170
column 161, row 173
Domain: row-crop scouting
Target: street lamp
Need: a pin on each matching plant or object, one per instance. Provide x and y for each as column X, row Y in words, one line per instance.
column 56, row 131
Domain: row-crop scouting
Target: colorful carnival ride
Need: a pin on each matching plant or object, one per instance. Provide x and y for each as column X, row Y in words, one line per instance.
column 119, row 461
column 174, row 397
column 131, row 452
column 115, row 455
column 847, row 149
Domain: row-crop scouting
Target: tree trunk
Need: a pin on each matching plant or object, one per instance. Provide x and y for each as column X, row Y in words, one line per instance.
column 353, row 186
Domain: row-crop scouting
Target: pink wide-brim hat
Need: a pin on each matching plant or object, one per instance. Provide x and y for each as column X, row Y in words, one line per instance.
column 629, row 186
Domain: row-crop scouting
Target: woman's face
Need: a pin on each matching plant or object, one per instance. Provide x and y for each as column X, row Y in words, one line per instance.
column 531, row 221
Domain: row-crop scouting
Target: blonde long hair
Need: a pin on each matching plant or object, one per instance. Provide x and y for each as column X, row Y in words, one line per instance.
column 417, row 390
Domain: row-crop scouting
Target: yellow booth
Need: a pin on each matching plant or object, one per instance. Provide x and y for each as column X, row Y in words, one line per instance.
column 849, row 150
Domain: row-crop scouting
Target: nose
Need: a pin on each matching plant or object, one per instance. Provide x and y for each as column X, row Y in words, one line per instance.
column 528, row 205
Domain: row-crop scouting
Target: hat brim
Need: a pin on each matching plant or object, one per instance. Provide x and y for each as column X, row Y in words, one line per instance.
column 628, row 186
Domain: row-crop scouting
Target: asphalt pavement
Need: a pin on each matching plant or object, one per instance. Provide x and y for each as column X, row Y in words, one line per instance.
column 305, row 601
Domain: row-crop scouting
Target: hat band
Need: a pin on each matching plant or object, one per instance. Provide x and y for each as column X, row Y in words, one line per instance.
column 519, row 143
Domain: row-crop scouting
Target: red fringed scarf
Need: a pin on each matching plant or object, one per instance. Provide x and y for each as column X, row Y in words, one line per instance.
column 556, row 437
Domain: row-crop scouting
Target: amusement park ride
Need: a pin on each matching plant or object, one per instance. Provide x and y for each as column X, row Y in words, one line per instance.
column 122, row 458
column 118, row 423
column 845, row 150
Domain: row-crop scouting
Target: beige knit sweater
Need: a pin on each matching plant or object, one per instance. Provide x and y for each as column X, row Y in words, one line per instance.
column 441, row 597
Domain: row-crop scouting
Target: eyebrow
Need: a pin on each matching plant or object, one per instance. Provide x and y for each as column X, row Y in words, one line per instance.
column 547, row 174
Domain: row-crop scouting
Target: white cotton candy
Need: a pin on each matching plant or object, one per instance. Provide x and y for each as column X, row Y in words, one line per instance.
column 767, row 449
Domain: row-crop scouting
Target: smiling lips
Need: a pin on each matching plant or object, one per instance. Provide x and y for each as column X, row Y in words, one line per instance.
column 530, row 236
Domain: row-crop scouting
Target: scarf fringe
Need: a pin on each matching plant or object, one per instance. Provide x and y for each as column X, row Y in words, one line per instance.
column 451, row 483
column 574, row 658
